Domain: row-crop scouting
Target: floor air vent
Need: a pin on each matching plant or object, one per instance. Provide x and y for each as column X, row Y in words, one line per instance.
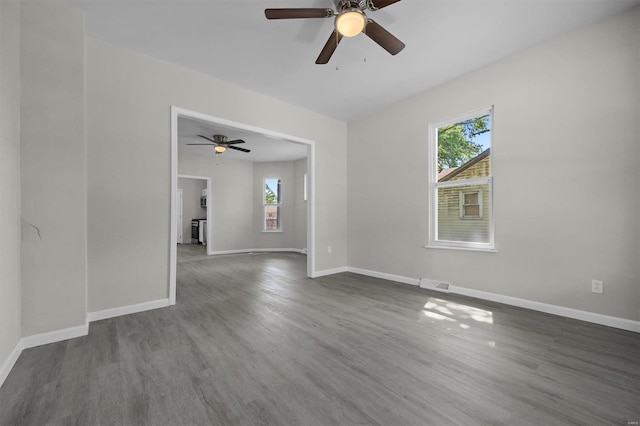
column 435, row 285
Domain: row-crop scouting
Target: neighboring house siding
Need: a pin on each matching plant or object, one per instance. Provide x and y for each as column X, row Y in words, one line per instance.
column 451, row 226
column 480, row 169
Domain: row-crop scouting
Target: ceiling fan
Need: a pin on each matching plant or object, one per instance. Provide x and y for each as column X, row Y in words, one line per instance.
column 221, row 143
column 350, row 21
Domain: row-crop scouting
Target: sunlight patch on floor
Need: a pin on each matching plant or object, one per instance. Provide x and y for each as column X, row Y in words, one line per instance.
column 450, row 311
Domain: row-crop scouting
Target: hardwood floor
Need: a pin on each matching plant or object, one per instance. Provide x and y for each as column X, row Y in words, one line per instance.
column 253, row 341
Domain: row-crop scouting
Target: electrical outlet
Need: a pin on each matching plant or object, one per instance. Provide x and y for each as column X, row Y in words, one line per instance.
column 329, row 249
column 597, row 286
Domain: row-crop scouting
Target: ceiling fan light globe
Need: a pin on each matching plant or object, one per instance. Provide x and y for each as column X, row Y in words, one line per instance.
column 220, row 149
column 351, row 22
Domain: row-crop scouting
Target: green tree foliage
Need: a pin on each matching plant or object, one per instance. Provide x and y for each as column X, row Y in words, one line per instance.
column 455, row 141
column 269, row 195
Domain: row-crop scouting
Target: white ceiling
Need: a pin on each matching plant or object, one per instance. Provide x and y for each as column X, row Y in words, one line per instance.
column 233, row 41
column 262, row 148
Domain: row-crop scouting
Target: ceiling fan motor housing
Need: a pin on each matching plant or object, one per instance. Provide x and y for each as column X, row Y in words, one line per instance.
column 220, row 138
column 342, row 5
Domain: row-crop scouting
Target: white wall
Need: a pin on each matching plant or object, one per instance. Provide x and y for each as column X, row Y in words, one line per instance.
column 236, row 204
column 53, row 165
column 128, row 112
column 191, row 193
column 565, row 161
column 286, row 237
column 10, row 331
column 230, row 201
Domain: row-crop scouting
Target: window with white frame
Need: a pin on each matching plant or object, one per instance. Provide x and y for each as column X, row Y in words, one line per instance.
column 461, row 182
column 271, row 200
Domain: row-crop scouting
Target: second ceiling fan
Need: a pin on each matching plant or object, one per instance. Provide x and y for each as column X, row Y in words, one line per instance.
column 221, row 143
column 350, row 21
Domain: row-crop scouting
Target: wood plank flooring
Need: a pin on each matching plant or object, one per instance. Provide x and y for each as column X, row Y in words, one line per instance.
column 252, row 341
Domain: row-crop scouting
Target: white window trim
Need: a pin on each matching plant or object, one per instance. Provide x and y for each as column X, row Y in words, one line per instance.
column 432, row 168
column 264, row 205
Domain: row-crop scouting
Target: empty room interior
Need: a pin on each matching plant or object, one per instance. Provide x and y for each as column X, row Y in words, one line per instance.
column 320, row 212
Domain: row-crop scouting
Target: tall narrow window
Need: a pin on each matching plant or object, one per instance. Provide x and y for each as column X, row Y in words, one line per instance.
column 272, row 199
column 461, row 182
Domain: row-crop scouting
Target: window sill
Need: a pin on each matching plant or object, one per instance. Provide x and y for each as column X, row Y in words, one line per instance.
column 443, row 247
column 272, row 232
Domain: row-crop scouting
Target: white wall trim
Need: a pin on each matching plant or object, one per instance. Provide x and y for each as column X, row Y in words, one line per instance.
column 616, row 322
column 10, row 362
column 72, row 332
column 311, row 209
column 385, row 276
column 54, row 336
column 311, row 203
column 173, row 221
column 126, row 310
column 326, row 272
column 592, row 317
column 258, row 250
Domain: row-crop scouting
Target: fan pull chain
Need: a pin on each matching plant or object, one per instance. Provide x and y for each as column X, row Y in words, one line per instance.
column 337, row 42
column 364, row 31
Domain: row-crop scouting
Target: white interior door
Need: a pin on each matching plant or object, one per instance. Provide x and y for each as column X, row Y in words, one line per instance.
column 179, row 212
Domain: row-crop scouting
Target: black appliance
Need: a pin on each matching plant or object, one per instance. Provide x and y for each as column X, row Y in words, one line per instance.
column 198, row 234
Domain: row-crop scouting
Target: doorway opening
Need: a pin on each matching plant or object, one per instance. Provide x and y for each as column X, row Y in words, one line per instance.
column 192, row 213
column 198, row 165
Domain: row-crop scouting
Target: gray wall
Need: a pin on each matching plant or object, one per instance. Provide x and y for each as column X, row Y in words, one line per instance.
column 128, row 108
column 565, row 162
column 191, row 193
column 230, row 201
column 53, row 151
column 235, row 202
column 286, row 236
column 10, row 331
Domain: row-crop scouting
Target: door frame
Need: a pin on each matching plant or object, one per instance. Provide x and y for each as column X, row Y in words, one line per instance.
column 180, row 209
column 208, row 230
column 177, row 112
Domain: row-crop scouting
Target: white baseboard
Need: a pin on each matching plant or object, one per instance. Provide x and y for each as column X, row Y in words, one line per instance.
column 323, row 273
column 10, row 362
column 616, row 322
column 70, row 333
column 126, row 310
column 291, row 250
column 39, row 340
column 54, row 336
column 258, row 250
column 385, row 276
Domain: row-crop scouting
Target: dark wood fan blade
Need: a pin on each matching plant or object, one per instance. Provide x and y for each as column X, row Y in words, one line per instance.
column 297, row 13
column 379, row 4
column 209, row 139
column 329, row 47
column 207, row 144
column 234, row 142
column 384, row 38
column 239, row 149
